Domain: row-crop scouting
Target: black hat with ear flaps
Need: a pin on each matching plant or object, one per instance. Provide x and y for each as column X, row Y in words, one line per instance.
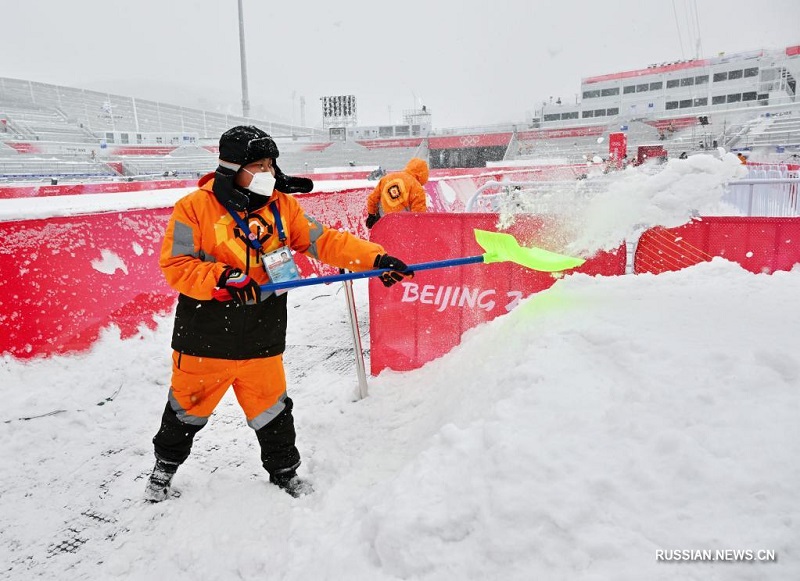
column 240, row 146
column 245, row 144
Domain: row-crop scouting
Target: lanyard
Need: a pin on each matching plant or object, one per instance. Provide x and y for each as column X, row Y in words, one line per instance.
column 252, row 238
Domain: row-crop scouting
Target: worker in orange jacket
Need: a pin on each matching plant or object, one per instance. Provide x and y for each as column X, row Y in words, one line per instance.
column 227, row 331
column 399, row 191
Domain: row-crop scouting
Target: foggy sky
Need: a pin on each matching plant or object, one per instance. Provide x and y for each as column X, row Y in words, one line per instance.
column 470, row 62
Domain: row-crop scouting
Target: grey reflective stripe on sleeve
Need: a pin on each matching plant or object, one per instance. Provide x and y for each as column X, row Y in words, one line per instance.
column 315, row 230
column 268, row 414
column 183, row 241
column 182, row 415
column 206, row 257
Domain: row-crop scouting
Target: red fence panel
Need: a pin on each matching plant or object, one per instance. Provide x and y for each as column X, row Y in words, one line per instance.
column 73, row 189
column 758, row 244
column 417, row 321
column 66, row 278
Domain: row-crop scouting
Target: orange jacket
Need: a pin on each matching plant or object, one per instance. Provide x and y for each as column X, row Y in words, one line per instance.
column 202, row 239
column 401, row 191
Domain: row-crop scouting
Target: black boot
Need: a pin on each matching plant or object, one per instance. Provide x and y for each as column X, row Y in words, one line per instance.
column 291, row 483
column 160, row 480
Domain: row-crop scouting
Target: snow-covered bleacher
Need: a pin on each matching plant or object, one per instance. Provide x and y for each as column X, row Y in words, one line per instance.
column 343, row 153
column 138, row 137
column 573, row 145
column 783, row 131
column 19, row 168
column 99, row 112
column 184, row 162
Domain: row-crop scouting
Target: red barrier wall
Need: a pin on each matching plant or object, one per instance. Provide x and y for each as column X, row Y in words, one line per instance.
column 417, row 321
column 40, row 190
column 66, row 278
column 758, row 244
column 59, row 287
column 53, row 298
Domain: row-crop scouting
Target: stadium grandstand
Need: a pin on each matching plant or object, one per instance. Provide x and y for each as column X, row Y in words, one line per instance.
column 744, row 102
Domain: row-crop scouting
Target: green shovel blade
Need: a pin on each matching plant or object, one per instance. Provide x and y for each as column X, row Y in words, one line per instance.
column 502, row 247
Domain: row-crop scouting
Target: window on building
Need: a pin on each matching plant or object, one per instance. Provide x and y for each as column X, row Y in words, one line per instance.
column 628, row 89
column 642, row 88
column 701, row 80
column 672, row 105
column 720, row 77
column 612, row 111
column 402, row 130
column 673, row 83
column 770, row 75
column 763, row 96
column 735, row 98
column 609, row 92
column 110, row 137
column 687, row 82
column 552, row 117
column 718, row 100
column 684, row 103
column 749, row 96
column 734, row 75
column 386, row 131
column 123, row 138
column 570, row 115
column 599, row 112
column 591, row 94
column 701, row 102
column 586, row 114
column 159, row 140
column 138, row 138
column 752, row 72
column 415, row 130
column 656, row 86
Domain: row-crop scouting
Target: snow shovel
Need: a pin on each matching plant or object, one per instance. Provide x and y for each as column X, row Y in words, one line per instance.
column 499, row 247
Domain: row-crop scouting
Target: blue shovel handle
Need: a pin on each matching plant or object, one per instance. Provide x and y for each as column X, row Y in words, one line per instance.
column 273, row 286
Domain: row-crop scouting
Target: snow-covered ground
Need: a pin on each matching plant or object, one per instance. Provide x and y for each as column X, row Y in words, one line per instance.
column 600, row 424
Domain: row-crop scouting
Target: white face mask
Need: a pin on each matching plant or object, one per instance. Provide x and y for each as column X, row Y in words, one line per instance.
column 262, row 183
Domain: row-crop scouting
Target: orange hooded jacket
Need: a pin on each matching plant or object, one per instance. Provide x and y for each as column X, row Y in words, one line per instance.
column 401, row 191
column 202, row 240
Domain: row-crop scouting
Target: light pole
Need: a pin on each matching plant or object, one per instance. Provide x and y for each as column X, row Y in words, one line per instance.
column 243, row 58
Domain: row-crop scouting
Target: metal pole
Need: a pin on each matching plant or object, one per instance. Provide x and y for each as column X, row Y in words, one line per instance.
column 359, row 352
column 243, row 59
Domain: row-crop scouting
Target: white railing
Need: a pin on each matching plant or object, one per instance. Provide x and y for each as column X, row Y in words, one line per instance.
column 775, row 197
column 539, row 197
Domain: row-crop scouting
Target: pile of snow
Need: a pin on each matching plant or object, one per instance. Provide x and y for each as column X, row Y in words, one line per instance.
column 602, row 421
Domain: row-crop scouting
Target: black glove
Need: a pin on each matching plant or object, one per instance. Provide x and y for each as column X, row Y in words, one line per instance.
column 399, row 269
column 372, row 219
column 240, row 286
column 291, row 184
